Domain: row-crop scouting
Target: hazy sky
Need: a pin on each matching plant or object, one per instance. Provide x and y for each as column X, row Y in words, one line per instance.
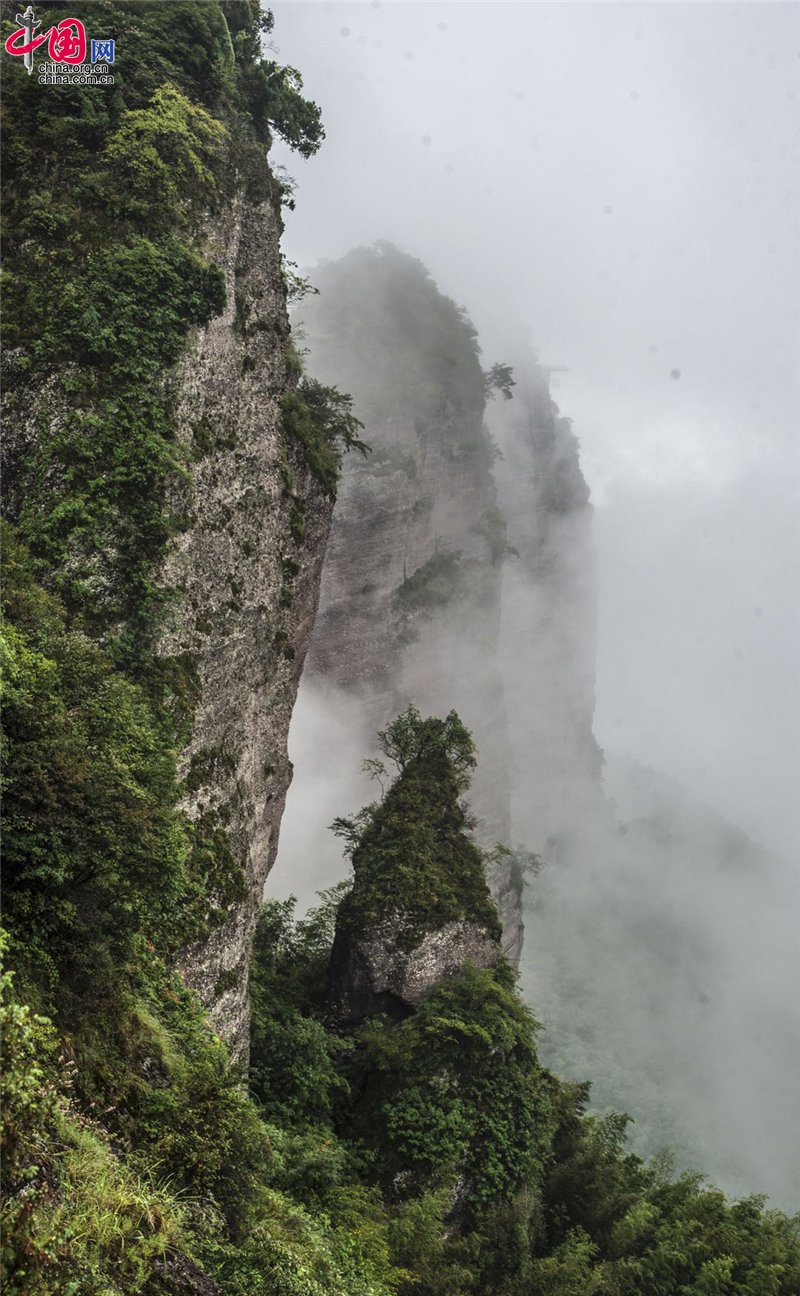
column 617, row 185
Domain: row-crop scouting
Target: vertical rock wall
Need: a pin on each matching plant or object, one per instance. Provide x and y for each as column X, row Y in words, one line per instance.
column 458, row 577
column 248, row 593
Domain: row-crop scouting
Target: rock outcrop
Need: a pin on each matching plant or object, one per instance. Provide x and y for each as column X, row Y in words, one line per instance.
column 373, row 973
column 460, row 569
column 410, row 604
column 419, row 911
column 163, row 470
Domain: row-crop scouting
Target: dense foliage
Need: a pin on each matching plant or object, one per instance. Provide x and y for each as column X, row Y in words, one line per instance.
column 321, row 424
column 471, row 1168
column 132, row 1156
column 88, row 799
column 455, row 1096
column 429, row 1155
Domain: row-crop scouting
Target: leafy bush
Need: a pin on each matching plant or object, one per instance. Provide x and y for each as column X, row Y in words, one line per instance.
column 320, row 424
column 157, row 167
column 456, row 1094
column 89, row 791
column 74, row 1219
column 268, row 93
column 499, row 378
column 293, row 1072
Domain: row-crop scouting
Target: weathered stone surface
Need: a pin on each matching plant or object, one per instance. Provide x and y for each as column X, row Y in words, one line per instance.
column 248, row 589
column 506, row 638
column 371, row 974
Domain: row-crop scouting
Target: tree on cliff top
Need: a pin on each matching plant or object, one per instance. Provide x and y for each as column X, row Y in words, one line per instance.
column 412, row 852
column 381, row 328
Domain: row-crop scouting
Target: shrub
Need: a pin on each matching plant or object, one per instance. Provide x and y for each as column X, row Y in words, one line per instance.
column 89, row 791
column 320, row 424
column 456, row 1092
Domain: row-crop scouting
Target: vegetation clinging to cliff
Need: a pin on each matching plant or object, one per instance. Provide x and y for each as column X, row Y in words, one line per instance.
column 439, row 581
column 322, row 427
column 120, row 1098
column 135, row 1162
column 430, row 1156
column 89, row 793
column 104, row 198
column 414, row 863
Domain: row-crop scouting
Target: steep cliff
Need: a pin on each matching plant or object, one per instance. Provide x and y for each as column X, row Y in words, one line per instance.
column 152, row 466
column 168, row 483
column 249, row 583
column 170, row 478
column 410, row 604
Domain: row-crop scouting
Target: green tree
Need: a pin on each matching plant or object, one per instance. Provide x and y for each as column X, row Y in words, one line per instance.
column 322, row 427
column 292, row 1057
column 500, row 378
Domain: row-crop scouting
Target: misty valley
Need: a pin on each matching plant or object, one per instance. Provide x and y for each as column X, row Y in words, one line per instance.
column 344, row 954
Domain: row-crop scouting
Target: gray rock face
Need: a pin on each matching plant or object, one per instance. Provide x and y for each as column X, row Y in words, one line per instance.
column 249, row 592
column 372, row 974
